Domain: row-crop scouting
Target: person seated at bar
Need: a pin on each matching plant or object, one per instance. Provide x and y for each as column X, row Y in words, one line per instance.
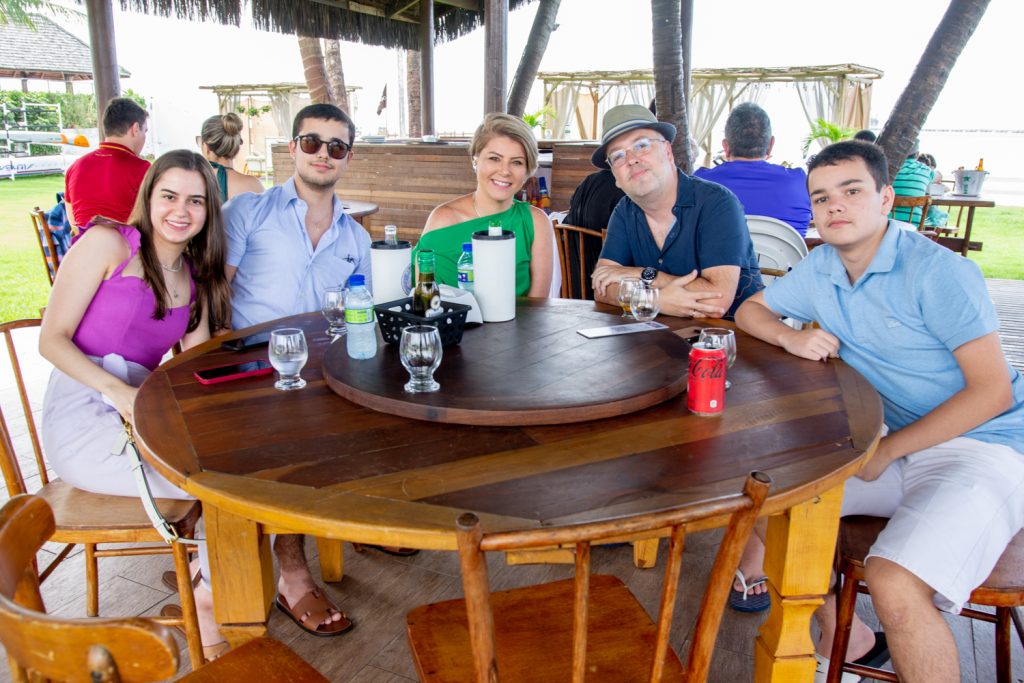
column 764, row 189
column 916, row 320
column 504, row 154
column 220, row 142
column 912, row 180
column 685, row 236
column 124, row 295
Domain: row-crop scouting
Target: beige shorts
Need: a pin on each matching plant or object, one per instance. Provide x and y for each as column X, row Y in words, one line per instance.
column 953, row 509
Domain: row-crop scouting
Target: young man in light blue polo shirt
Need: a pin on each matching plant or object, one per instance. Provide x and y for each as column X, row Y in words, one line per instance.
column 915, row 319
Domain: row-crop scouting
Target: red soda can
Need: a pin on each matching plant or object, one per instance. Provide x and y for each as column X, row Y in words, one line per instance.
column 705, row 386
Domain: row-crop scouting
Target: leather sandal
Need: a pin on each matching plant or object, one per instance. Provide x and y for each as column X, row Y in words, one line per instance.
column 312, row 611
column 388, row 549
column 170, row 579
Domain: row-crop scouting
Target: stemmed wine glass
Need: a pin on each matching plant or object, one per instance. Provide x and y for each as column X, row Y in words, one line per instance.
column 288, row 354
column 626, row 287
column 721, row 338
column 420, row 351
column 333, row 308
column 645, row 304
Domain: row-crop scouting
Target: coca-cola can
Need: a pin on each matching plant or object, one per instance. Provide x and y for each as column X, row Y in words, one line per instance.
column 705, row 386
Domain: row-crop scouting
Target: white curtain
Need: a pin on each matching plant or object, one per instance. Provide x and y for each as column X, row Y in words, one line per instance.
column 708, row 100
column 563, row 101
column 820, row 100
column 281, row 111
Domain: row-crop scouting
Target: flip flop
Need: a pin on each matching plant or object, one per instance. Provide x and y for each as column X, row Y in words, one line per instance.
column 170, row 579
column 210, row 652
column 316, row 608
column 388, row 549
column 875, row 658
column 743, row 601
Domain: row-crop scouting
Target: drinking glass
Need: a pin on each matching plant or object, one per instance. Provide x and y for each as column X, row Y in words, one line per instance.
column 645, row 304
column 626, row 287
column 333, row 308
column 420, row 350
column 288, row 354
column 721, row 338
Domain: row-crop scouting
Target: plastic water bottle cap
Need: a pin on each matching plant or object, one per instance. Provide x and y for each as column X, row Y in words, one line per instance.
column 467, row 247
column 356, row 280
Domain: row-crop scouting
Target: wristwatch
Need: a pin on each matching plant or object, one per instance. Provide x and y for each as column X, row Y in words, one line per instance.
column 649, row 275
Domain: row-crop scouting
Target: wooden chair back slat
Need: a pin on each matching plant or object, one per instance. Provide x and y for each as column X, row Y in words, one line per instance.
column 58, row 648
column 572, row 237
column 742, row 509
column 47, row 248
column 911, row 203
column 12, row 469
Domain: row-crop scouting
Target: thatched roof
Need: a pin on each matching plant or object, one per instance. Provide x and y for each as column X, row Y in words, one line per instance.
column 389, row 23
column 757, row 74
column 44, row 51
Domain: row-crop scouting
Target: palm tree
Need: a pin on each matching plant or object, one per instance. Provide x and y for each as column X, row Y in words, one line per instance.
column 21, row 11
column 918, row 98
column 823, row 130
column 668, row 74
column 540, row 33
column 412, row 89
column 336, row 74
column 314, row 70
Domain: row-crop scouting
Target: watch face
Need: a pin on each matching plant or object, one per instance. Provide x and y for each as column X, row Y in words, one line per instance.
column 648, row 274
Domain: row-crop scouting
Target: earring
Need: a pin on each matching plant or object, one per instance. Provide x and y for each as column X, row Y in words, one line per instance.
column 474, row 164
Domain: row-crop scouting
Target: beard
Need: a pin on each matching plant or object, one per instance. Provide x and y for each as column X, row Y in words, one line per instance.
column 316, row 180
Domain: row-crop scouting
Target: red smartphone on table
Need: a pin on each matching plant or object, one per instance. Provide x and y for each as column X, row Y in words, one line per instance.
column 226, row 373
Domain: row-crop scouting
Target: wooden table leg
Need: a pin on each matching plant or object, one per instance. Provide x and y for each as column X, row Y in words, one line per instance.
column 242, row 575
column 332, row 559
column 967, row 232
column 798, row 561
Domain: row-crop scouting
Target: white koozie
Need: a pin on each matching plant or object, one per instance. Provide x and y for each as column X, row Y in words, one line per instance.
column 389, row 268
column 494, row 275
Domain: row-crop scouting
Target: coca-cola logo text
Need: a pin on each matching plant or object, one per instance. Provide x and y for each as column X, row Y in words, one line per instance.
column 707, row 368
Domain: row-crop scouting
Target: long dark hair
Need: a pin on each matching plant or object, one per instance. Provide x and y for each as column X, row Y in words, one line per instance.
column 206, row 252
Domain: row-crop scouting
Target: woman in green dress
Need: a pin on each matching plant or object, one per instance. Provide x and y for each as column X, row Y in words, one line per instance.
column 504, row 154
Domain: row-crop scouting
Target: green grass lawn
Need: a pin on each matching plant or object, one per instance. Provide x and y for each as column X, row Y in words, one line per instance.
column 24, row 286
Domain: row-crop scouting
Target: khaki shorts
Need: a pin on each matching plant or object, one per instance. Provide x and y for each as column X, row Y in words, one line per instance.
column 952, row 510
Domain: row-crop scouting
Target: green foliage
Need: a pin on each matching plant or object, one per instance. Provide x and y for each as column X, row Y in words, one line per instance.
column 822, row 129
column 539, row 117
column 254, row 112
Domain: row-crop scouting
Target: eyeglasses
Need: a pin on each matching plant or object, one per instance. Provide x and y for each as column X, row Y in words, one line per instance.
column 639, row 148
column 311, row 144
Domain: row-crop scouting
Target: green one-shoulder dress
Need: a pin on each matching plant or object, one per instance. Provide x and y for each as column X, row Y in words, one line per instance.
column 447, row 244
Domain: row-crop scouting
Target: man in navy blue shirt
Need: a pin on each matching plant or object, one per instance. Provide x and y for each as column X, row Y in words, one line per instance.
column 685, row 236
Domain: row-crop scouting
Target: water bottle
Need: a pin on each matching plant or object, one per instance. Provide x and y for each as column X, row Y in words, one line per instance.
column 465, row 266
column 361, row 336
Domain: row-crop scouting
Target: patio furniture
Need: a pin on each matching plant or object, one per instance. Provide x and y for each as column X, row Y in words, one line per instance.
column 134, row 650
column 586, row 628
column 1003, row 589
column 777, row 245
column 313, row 462
column 571, row 241
column 912, row 204
column 962, row 244
column 44, row 239
column 92, row 519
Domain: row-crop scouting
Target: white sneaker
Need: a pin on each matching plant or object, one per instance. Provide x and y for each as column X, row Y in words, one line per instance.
column 822, row 671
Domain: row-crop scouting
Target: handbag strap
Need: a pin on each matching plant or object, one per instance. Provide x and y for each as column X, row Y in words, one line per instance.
column 166, row 530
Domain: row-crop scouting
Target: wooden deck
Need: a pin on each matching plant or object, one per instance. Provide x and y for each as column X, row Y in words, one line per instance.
column 378, row 590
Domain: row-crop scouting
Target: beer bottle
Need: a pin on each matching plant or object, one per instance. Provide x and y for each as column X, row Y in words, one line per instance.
column 426, row 298
column 981, row 165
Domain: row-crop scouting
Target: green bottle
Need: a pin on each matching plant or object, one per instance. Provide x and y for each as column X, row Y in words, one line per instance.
column 426, row 298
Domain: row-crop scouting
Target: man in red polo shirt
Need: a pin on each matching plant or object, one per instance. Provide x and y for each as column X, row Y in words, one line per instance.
column 106, row 181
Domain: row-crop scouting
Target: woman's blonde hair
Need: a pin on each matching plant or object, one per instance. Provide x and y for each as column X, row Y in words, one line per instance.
column 505, row 125
column 222, row 134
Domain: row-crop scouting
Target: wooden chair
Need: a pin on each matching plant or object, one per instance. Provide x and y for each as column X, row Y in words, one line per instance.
column 571, row 240
column 911, row 204
column 91, row 519
column 586, row 625
column 44, row 239
column 133, row 650
column 1003, row 589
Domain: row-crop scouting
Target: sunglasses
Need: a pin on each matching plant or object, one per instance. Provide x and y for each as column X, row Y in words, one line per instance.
column 311, row 144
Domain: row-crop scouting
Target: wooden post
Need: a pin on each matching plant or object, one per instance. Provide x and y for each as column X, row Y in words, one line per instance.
column 427, row 66
column 106, row 80
column 495, row 55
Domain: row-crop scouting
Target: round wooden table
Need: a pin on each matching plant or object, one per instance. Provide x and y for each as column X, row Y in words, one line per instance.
column 358, row 209
column 312, row 462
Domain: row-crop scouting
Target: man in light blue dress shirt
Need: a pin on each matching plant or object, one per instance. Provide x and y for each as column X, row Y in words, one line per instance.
column 285, row 247
column 916, row 321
